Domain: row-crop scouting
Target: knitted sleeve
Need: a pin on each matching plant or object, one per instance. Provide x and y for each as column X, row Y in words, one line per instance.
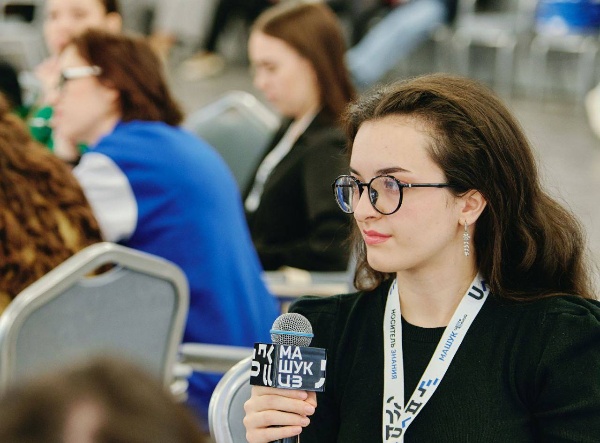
column 567, row 406
column 322, row 314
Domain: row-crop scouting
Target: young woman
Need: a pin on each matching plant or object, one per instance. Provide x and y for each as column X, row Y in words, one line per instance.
column 476, row 319
column 159, row 189
column 297, row 51
column 63, row 20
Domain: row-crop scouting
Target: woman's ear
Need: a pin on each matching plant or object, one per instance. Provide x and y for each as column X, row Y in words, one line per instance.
column 114, row 22
column 473, row 204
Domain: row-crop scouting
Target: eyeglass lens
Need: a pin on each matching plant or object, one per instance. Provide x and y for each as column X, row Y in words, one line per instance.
column 385, row 194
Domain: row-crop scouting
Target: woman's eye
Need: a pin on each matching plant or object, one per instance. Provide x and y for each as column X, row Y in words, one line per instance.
column 391, row 185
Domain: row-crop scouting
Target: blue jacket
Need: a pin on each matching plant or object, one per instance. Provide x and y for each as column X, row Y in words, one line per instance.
column 159, row 189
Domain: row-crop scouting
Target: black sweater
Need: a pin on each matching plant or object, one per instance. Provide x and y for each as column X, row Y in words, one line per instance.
column 525, row 372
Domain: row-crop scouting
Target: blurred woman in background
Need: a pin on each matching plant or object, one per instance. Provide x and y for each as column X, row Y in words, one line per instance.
column 63, row 20
column 297, row 52
column 159, row 189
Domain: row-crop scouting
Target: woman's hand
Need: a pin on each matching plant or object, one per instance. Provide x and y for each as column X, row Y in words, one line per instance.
column 272, row 414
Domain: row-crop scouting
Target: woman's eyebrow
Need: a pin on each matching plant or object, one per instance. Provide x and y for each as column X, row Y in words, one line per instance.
column 384, row 171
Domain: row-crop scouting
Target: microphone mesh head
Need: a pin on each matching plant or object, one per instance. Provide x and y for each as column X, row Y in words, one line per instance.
column 286, row 328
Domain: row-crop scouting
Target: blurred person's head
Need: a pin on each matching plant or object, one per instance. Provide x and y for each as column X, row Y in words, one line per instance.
column 297, row 52
column 68, row 18
column 107, row 78
column 45, row 217
column 103, row 401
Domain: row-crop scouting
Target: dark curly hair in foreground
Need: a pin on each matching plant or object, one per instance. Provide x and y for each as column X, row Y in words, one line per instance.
column 44, row 216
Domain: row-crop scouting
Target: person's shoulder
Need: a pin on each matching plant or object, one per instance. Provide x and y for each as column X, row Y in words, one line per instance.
column 569, row 305
column 566, row 337
column 331, row 315
column 153, row 138
column 148, row 130
column 335, row 305
column 565, row 312
column 324, row 132
column 572, row 307
column 328, row 305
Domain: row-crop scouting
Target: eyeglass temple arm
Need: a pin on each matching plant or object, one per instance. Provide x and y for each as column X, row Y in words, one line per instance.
column 425, row 185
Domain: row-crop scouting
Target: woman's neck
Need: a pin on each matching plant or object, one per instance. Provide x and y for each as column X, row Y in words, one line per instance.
column 429, row 300
column 104, row 128
column 309, row 112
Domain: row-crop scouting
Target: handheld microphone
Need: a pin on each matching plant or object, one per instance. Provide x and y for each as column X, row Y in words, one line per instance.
column 289, row 362
column 292, row 329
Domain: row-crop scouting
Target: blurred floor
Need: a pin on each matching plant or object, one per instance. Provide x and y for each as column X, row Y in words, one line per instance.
column 567, row 149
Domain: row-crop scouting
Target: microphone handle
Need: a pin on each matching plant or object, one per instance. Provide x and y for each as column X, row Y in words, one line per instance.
column 294, row 439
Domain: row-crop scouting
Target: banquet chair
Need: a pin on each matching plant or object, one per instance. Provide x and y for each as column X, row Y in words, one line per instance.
column 21, row 44
column 500, row 30
column 239, row 127
column 21, row 40
column 135, row 310
column 226, row 408
column 581, row 47
column 287, row 283
column 211, row 358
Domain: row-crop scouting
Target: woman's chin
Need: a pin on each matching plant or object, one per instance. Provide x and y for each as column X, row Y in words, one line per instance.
column 381, row 265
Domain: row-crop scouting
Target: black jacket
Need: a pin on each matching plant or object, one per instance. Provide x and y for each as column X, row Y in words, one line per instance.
column 298, row 223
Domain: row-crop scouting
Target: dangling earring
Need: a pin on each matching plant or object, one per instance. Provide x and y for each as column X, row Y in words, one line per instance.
column 466, row 238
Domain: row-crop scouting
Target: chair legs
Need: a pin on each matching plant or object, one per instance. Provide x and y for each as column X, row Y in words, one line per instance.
column 504, row 61
column 537, row 68
column 587, row 69
column 584, row 48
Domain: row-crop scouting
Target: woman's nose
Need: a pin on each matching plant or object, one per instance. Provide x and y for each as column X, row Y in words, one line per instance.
column 364, row 209
column 259, row 81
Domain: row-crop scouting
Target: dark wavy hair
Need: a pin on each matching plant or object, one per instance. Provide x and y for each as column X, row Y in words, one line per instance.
column 131, row 67
column 45, row 217
column 314, row 31
column 527, row 244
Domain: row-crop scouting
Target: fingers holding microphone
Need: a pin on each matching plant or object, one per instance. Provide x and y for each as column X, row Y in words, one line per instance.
column 285, row 376
column 274, row 414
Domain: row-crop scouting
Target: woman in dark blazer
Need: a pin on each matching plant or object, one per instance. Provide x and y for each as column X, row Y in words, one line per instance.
column 297, row 52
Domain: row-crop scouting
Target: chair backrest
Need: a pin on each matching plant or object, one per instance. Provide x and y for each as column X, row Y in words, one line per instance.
column 21, row 44
column 226, row 408
column 287, row 284
column 239, row 127
column 136, row 310
column 508, row 16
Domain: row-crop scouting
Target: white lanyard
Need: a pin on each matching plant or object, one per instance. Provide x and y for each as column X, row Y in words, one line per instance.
column 283, row 147
column 396, row 416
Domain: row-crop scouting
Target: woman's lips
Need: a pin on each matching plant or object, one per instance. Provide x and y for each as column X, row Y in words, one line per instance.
column 374, row 237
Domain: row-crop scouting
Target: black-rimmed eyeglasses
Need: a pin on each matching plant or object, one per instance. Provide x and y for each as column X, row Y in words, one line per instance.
column 385, row 192
column 77, row 72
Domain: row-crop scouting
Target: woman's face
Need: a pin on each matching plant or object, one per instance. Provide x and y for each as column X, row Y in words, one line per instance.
column 425, row 231
column 85, row 109
column 287, row 79
column 68, row 18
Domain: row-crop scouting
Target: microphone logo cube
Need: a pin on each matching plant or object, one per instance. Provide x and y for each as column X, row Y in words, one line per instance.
column 288, row 367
